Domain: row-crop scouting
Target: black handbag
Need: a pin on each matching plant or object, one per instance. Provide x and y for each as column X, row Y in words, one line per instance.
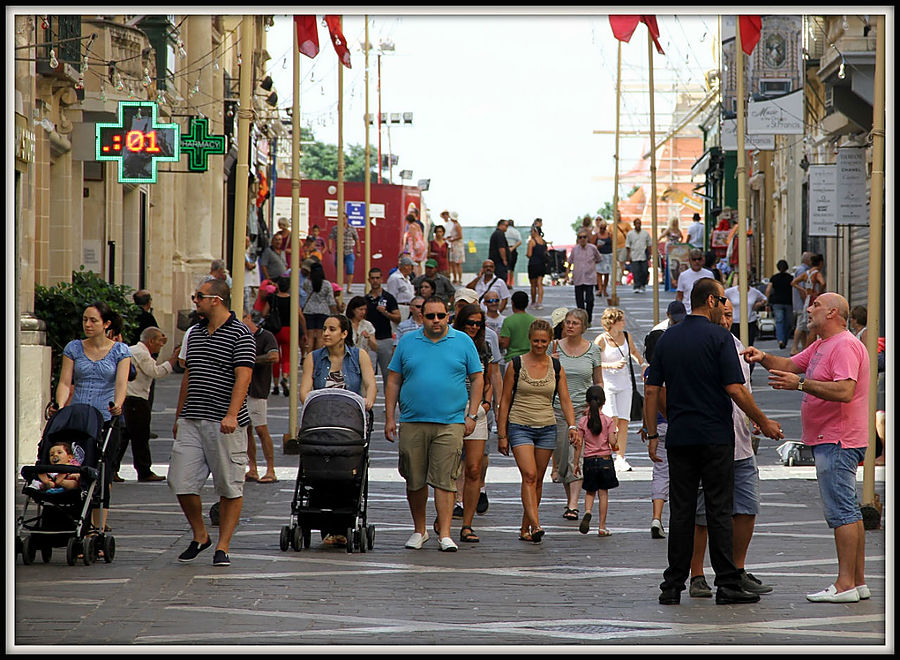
column 272, row 322
column 637, row 400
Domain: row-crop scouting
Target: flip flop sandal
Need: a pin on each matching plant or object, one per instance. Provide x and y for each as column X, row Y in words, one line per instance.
column 537, row 535
column 466, row 535
column 247, row 477
column 267, row 480
column 604, row 532
column 571, row 514
column 525, row 537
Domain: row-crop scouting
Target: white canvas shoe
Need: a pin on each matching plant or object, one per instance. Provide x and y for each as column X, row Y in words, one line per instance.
column 416, row 541
column 831, row 595
column 863, row 591
column 447, row 545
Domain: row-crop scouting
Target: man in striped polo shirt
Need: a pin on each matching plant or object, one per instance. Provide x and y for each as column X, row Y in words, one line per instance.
column 211, row 418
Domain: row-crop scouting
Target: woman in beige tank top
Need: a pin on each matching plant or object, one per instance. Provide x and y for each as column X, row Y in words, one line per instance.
column 526, row 422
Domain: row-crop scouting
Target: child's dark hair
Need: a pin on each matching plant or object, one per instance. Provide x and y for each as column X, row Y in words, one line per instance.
column 595, row 399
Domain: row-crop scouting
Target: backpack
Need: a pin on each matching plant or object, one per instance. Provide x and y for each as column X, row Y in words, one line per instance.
column 517, row 366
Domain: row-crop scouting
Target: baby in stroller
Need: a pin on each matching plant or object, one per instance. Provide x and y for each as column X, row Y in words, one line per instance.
column 61, row 453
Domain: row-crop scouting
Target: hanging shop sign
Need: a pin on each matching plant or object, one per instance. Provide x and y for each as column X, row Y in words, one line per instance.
column 138, row 142
column 822, row 200
column 199, row 145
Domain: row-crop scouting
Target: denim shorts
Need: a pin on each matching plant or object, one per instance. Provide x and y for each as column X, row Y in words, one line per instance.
column 542, row 437
column 836, row 471
column 746, row 491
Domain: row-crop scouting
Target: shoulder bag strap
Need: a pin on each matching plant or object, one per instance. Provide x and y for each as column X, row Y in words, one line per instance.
column 488, row 288
column 630, row 364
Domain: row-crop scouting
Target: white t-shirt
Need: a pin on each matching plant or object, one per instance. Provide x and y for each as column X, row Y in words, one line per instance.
column 743, row 445
column 499, row 286
column 695, row 234
column 512, row 237
column 638, row 242
column 753, row 296
column 686, row 284
column 400, row 286
column 251, row 275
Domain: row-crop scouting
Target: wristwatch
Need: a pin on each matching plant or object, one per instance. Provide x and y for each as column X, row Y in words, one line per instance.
column 474, row 418
column 652, row 436
column 800, row 383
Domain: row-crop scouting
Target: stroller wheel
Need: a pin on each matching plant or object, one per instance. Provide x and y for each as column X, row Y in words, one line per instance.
column 88, row 551
column 307, row 538
column 72, row 551
column 352, row 539
column 46, row 553
column 359, row 537
column 19, row 544
column 109, row 548
column 297, row 539
column 370, row 536
column 28, row 551
column 284, row 539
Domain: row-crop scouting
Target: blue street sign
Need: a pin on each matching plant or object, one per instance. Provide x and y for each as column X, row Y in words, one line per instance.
column 356, row 213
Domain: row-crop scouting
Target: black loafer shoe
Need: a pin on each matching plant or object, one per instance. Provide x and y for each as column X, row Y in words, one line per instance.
column 193, row 550
column 670, row 597
column 731, row 596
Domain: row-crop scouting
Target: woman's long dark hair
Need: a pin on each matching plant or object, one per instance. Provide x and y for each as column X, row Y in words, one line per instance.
column 595, row 399
column 344, row 322
column 107, row 313
column 355, row 303
column 316, row 276
column 460, row 324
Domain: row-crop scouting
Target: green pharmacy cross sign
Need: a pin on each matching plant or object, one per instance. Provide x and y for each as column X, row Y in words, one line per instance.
column 200, row 145
column 138, row 142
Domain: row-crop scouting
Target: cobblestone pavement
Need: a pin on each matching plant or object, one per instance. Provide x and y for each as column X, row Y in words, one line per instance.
column 572, row 590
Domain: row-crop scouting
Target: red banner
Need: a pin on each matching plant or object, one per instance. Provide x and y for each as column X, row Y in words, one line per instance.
column 307, row 35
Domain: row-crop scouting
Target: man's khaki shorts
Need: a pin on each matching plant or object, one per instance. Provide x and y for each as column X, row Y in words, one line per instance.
column 200, row 448
column 259, row 411
column 430, row 454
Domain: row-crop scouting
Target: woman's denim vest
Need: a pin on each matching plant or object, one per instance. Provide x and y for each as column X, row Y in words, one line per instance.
column 350, row 368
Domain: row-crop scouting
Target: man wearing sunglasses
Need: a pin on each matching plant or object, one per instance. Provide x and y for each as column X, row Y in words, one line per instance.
column 415, row 320
column 211, row 419
column 488, row 278
column 427, row 375
column 697, row 363
column 687, row 278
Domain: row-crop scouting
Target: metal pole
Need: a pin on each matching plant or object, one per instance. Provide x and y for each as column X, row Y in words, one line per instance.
column 614, row 272
column 741, row 174
column 368, row 179
column 242, row 167
column 339, row 249
column 379, row 127
column 876, row 206
column 654, row 252
column 297, row 258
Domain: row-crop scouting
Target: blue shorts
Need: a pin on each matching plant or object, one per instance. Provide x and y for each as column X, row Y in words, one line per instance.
column 542, row 437
column 836, row 471
column 746, row 491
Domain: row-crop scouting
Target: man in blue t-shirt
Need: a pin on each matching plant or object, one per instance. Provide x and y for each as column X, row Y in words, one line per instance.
column 427, row 374
column 699, row 367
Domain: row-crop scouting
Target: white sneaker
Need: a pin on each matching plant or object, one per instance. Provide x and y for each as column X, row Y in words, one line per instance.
column 416, row 541
column 447, row 545
column 831, row 595
column 656, row 529
column 863, row 591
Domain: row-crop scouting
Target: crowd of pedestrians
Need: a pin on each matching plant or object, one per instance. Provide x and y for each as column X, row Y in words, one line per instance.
column 462, row 363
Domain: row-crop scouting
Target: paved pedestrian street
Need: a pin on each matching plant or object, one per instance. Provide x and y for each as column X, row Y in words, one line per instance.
column 572, row 590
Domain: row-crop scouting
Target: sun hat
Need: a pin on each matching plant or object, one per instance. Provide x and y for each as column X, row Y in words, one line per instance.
column 467, row 294
column 558, row 316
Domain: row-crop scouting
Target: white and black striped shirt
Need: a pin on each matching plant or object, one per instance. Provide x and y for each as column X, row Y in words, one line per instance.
column 211, row 361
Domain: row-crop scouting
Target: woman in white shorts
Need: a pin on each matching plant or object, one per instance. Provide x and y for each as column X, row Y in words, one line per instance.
column 616, row 346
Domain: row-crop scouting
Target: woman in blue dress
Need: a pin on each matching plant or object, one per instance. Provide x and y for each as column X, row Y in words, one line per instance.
column 95, row 372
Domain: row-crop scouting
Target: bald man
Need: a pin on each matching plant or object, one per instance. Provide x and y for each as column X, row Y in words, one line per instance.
column 833, row 374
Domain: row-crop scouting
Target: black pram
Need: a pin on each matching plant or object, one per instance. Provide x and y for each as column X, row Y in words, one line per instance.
column 331, row 490
column 63, row 519
column 557, row 266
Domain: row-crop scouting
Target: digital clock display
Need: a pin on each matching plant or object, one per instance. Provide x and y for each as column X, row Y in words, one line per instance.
column 138, row 142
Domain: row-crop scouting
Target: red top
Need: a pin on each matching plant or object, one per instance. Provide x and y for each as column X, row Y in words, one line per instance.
column 440, row 253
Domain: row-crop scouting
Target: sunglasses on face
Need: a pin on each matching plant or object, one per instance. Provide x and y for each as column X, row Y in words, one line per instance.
column 472, row 323
column 720, row 300
column 696, row 258
column 417, row 306
column 200, row 296
column 431, row 316
column 491, row 300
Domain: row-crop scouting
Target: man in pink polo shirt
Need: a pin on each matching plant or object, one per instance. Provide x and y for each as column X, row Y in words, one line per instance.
column 834, row 414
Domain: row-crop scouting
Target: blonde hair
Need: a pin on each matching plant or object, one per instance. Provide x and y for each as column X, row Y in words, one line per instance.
column 610, row 316
column 539, row 325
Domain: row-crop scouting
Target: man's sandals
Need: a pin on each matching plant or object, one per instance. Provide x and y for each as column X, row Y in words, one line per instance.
column 466, row 535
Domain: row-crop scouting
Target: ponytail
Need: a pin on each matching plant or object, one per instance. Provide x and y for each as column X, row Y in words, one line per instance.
column 595, row 399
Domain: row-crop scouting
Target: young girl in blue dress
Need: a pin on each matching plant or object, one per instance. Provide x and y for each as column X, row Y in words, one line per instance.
column 597, row 434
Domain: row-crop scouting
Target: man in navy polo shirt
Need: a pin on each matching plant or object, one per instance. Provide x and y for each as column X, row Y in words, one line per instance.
column 427, row 374
column 696, row 362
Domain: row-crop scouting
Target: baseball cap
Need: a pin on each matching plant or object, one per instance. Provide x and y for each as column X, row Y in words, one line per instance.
column 431, row 263
column 676, row 311
column 558, row 316
column 465, row 293
column 405, row 261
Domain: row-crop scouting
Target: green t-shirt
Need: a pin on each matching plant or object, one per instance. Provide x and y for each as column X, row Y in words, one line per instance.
column 515, row 326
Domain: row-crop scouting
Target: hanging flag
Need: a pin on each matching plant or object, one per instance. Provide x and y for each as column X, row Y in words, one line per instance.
column 307, row 35
column 623, row 26
column 337, row 38
column 751, row 27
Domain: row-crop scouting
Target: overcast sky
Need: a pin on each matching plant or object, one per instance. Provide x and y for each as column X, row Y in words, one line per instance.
column 504, row 106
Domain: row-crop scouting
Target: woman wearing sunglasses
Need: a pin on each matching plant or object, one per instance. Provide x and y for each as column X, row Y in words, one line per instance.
column 526, row 421
column 470, row 320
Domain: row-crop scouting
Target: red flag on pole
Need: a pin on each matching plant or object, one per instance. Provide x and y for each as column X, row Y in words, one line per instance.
column 751, row 27
column 307, row 35
column 623, row 26
column 337, row 38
